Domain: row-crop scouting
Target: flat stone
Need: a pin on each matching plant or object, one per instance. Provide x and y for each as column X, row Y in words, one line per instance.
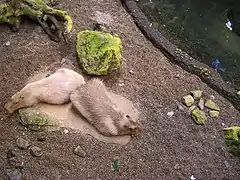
column 188, row 100
column 197, row 94
column 201, row 103
column 22, row 143
column 14, row 173
column 198, row 116
column 213, row 113
column 180, row 108
column 79, row 151
column 36, row 151
column 211, row 105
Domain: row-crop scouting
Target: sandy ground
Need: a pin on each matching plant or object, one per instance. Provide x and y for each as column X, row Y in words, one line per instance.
column 169, row 148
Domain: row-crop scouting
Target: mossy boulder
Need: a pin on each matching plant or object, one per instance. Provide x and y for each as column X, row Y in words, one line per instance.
column 35, row 120
column 198, row 116
column 232, row 139
column 99, row 53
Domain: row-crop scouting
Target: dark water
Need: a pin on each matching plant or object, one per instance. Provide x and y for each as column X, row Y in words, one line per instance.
column 198, row 27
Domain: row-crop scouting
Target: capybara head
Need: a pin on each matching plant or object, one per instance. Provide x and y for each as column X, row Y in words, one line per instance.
column 129, row 127
column 15, row 102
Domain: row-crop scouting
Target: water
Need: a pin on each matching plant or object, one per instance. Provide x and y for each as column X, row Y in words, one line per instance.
column 198, row 27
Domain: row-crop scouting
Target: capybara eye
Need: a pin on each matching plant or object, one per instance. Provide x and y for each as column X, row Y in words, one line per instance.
column 127, row 116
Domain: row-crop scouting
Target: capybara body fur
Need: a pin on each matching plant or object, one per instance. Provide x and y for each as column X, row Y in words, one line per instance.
column 55, row 89
column 93, row 102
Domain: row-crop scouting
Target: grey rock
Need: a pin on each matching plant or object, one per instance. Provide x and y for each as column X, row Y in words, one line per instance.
column 201, row 104
column 14, row 173
column 197, row 94
column 36, row 151
column 79, row 151
column 22, row 143
column 226, row 164
column 180, row 108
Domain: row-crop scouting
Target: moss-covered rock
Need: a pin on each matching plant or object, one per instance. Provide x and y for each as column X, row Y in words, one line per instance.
column 99, row 53
column 211, row 105
column 198, row 116
column 214, row 113
column 35, row 120
column 232, row 139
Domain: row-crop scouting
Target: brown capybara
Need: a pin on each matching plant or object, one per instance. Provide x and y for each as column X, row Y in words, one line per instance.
column 55, row 89
column 93, row 102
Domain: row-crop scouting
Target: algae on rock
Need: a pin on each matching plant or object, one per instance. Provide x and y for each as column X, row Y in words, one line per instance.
column 99, row 53
column 198, row 116
column 38, row 10
column 35, row 120
column 232, row 139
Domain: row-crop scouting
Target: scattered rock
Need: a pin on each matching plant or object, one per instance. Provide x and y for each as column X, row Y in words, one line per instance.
column 188, row 100
column 180, row 108
column 35, row 120
column 14, row 160
column 198, row 116
column 14, row 173
column 99, row 53
column 22, row 143
column 201, row 103
column 192, row 108
column 121, row 84
column 131, row 72
column 197, row 94
column 211, row 105
column 214, row 114
column 79, row 151
column 232, row 139
column 36, row 151
column 192, row 178
column 226, row 164
column 212, row 97
column 66, row 131
column 223, row 124
column 177, row 166
column 170, row 114
column 238, row 93
column 7, row 43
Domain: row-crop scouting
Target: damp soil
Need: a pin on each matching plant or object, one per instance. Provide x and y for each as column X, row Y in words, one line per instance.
column 169, row 147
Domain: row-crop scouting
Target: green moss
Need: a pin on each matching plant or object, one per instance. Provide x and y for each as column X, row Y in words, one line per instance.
column 198, row 116
column 34, row 120
column 99, row 53
column 34, row 9
column 232, row 139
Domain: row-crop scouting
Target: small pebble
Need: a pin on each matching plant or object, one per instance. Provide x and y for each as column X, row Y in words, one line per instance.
column 79, row 151
column 7, row 43
column 131, row 71
column 223, row 124
column 192, row 178
column 170, row 114
column 177, row 166
column 22, row 143
column 121, row 84
column 66, row 131
column 36, row 151
column 226, row 164
column 180, row 108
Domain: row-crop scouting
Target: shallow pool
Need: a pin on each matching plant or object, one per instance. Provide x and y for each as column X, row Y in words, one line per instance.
column 199, row 28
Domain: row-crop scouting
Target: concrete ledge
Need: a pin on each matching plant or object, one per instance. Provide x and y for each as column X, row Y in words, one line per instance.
column 179, row 57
